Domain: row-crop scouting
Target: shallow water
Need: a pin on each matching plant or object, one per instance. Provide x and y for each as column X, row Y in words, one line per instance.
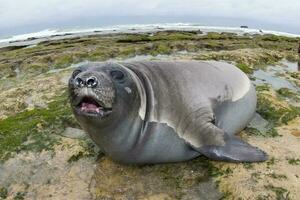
column 274, row 75
column 291, row 66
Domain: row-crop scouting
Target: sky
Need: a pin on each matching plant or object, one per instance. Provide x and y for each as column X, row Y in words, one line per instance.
column 22, row 16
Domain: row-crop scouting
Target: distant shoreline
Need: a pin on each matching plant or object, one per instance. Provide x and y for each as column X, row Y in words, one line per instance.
column 56, row 34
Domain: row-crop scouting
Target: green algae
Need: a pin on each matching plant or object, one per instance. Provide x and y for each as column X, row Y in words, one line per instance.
column 270, row 109
column 281, row 193
column 294, row 161
column 34, row 130
column 248, row 165
column 245, row 68
column 285, row 92
column 256, row 175
column 288, row 93
column 274, row 114
column 271, row 162
column 20, row 195
column 295, row 75
column 158, row 36
column 88, row 150
column 277, row 176
column 247, row 59
column 272, row 132
column 264, row 87
column 3, row 193
column 63, row 61
column 61, row 53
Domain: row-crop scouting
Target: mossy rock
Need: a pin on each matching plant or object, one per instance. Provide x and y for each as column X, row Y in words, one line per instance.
column 134, row 39
column 38, row 127
column 288, row 93
column 214, row 36
column 63, row 61
column 245, row 68
column 127, row 52
column 160, row 48
column 3, row 192
column 264, row 87
column 272, row 132
column 275, row 113
column 62, row 53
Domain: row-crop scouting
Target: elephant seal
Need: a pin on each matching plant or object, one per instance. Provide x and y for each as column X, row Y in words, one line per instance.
column 159, row 111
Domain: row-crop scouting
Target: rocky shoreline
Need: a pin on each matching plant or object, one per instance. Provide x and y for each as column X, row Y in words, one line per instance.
column 44, row 155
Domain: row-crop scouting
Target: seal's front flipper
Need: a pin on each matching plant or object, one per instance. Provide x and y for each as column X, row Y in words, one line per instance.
column 200, row 132
column 234, row 150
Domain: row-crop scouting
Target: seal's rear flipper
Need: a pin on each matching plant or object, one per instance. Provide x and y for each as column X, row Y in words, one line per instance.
column 234, row 150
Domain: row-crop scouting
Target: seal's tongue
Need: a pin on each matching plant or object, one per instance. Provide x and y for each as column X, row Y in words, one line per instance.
column 90, row 107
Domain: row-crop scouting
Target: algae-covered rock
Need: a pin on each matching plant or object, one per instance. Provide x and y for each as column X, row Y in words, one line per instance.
column 45, row 155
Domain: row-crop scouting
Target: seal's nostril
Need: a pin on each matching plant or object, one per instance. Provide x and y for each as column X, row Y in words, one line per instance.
column 79, row 82
column 91, row 81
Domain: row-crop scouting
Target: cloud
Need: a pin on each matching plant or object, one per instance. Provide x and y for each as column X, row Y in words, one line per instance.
column 15, row 13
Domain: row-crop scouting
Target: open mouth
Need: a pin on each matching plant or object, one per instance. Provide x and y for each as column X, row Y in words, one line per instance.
column 89, row 106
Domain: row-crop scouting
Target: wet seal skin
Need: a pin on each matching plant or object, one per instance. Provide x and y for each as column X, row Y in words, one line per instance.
column 164, row 111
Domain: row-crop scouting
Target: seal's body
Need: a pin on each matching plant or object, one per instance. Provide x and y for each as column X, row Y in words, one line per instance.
column 155, row 112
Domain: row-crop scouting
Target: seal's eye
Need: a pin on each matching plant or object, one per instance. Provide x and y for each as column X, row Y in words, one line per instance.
column 117, row 75
column 76, row 72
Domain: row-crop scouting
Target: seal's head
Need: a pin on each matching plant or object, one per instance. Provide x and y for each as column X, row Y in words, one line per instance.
column 102, row 94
